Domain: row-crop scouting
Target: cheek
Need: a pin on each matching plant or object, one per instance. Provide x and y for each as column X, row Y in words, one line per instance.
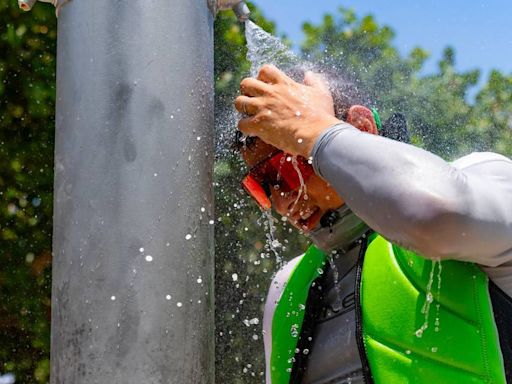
column 324, row 196
column 279, row 202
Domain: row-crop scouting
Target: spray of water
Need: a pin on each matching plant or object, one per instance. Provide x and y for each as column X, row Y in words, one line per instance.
column 429, row 298
column 263, row 48
column 272, row 242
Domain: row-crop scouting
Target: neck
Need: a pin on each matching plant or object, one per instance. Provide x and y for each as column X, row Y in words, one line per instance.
column 340, row 230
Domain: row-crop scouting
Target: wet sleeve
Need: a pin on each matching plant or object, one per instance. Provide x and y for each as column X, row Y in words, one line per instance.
column 416, row 199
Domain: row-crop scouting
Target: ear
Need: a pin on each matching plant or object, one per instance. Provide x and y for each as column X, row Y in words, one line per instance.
column 362, row 118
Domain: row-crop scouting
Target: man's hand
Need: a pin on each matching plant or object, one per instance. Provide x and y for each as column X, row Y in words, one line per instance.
column 284, row 113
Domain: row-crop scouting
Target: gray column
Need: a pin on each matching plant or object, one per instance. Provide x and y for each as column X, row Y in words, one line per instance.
column 133, row 236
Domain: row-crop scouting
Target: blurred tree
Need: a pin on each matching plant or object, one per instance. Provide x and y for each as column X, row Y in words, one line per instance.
column 436, row 105
column 491, row 122
column 27, row 99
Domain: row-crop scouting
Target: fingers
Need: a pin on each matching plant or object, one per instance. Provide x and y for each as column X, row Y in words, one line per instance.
column 253, row 87
column 247, row 126
column 316, row 80
column 270, row 74
column 247, row 105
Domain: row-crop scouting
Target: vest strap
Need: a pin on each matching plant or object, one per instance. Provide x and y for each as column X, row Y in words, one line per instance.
column 289, row 314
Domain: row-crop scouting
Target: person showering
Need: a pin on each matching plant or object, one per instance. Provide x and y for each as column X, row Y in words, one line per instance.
column 391, row 216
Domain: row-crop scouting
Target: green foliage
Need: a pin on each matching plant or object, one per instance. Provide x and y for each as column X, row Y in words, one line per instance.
column 492, row 116
column 27, row 104
column 436, row 105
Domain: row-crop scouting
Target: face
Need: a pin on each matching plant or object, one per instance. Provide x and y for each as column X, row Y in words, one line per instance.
column 302, row 206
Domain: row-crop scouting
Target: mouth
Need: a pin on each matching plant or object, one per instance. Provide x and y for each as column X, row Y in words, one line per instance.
column 307, row 219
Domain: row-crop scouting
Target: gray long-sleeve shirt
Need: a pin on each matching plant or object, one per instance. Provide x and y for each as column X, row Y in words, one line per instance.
column 461, row 210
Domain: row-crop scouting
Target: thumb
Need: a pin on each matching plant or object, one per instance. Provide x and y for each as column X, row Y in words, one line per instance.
column 316, row 80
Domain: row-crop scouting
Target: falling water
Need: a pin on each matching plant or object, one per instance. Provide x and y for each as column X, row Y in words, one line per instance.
column 272, row 242
column 263, row 48
column 429, row 298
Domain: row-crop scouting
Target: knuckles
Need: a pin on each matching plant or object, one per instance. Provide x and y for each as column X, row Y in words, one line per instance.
column 266, row 69
column 244, row 84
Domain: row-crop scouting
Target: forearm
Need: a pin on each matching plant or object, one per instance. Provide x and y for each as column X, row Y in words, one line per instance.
column 412, row 197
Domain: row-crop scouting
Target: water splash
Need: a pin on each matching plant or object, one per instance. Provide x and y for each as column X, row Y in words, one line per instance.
column 336, row 275
column 263, row 48
column 302, row 188
column 429, row 298
column 272, row 242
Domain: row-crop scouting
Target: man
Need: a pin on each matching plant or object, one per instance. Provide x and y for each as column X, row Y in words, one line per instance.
column 380, row 314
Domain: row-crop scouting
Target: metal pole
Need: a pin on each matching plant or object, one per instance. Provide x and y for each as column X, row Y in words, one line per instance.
column 133, row 242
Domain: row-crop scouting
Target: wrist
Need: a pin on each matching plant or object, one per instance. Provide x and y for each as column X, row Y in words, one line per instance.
column 313, row 133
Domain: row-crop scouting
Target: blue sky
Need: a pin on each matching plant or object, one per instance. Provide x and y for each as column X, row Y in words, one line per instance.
column 480, row 31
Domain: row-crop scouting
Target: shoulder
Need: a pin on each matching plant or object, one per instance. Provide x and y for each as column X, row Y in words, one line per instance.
column 481, row 158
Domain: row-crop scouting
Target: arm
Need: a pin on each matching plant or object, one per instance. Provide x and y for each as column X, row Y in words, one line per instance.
column 418, row 200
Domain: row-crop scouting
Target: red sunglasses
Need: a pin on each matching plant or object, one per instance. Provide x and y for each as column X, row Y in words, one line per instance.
column 281, row 172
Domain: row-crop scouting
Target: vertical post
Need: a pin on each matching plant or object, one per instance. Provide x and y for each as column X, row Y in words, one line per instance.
column 133, row 244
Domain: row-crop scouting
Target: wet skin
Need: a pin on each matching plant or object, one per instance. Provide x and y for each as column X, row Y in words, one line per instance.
column 280, row 111
column 290, row 115
column 317, row 198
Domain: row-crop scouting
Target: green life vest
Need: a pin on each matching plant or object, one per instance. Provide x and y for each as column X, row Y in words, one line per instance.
column 456, row 343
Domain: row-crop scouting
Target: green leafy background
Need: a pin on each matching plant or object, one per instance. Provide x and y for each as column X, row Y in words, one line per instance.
column 440, row 117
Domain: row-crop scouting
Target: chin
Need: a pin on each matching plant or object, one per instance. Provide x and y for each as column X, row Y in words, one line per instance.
column 311, row 223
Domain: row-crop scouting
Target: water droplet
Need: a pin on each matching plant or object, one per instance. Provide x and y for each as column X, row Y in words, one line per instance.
column 167, row 297
column 141, row 249
column 203, row 209
column 255, row 337
column 434, row 349
column 179, row 304
column 234, row 276
column 408, row 352
column 199, row 280
column 188, row 236
column 298, row 113
column 299, row 141
column 112, row 298
column 211, row 222
column 149, row 258
column 305, row 351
